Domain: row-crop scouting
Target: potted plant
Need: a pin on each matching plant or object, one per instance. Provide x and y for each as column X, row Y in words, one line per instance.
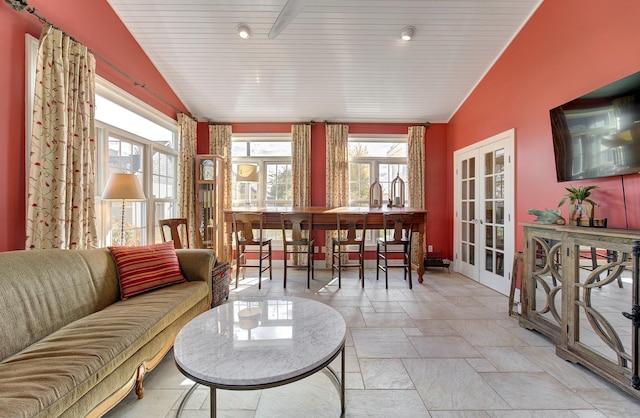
column 577, row 196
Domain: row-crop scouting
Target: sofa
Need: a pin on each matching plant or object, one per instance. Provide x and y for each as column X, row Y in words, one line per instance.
column 70, row 346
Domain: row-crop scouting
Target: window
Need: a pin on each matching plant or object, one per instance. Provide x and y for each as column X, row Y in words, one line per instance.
column 272, row 157
column 135, row 139
column 381, row 158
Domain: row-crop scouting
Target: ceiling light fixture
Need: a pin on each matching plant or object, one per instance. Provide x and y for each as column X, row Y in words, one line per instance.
column 243, row 31
column 407, row 33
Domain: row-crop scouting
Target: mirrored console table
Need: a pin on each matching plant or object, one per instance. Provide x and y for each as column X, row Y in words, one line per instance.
column 580, row 289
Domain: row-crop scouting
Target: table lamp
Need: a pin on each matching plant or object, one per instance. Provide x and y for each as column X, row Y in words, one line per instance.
column 121, row 186
column 247, row 173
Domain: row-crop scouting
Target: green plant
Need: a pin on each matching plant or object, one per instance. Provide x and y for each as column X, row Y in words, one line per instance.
column 547, row 216
column 578, row 194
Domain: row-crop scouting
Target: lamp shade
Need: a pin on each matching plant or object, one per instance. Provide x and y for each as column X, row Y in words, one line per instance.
column 121, row 186
column 248, row 173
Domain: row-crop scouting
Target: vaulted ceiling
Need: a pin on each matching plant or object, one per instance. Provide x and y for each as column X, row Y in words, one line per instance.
column 337, row 60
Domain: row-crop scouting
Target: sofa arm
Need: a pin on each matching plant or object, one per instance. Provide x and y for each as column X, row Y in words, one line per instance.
column 196, row 264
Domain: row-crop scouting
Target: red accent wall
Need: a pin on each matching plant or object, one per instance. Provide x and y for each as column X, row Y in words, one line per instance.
column 92, row 23
column 567, row 49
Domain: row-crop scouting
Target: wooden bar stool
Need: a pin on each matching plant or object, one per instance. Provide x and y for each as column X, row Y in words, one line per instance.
column 395, row 244
column 297, row 241
column 249, row 239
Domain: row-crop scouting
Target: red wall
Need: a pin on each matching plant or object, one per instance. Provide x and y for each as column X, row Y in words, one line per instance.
column 567, row 49
column 435, row 149
column 92, row 23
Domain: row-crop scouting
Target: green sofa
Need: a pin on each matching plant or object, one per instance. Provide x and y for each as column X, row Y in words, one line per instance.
column 69, row 346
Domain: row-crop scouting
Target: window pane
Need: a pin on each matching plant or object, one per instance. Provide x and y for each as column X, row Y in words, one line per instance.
column 163, row 183
column 359, row 183
column 120, row 117
column 377, row 149
column 268, row 148
column 126, row 157
column 278, row 183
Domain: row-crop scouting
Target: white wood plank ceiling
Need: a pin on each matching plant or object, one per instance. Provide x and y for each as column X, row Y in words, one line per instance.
column 338, row 60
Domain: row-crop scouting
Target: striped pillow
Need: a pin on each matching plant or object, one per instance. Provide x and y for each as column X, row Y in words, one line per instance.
column 145, row 268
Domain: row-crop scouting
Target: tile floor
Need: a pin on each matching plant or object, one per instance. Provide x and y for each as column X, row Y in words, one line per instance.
column 445, row 349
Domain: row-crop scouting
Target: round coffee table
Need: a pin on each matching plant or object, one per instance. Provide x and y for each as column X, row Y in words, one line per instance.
column 258, row 343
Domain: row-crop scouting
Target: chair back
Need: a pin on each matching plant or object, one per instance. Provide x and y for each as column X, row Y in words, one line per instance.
column 175, row 226
column 299, row 225
column 352, row 228
column 397, row 227
column 247, row 227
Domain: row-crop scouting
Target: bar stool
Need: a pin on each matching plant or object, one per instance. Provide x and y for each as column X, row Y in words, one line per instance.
column 396, row 240
column 352, row 229
column 248, row 243
column 298, row 242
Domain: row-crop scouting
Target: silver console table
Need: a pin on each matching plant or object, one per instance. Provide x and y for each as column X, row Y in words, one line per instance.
column 258, row 343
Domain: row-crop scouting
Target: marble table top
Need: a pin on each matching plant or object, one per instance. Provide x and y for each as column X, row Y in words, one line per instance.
column 257, row 342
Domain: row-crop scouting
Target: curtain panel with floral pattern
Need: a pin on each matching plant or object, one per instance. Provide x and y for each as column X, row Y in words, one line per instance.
column 337, row 175
column 186, row 174
column 416, row 167
column 61, row 184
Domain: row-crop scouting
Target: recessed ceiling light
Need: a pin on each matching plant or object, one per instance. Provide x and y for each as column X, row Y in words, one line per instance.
column 243, row 31
column 407, row 33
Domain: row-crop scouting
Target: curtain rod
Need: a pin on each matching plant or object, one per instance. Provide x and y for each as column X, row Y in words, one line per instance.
column 210, row 122
column 425, row 124
column 22, row 5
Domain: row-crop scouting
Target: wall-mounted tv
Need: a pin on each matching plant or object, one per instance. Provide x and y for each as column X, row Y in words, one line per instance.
column 598, row 134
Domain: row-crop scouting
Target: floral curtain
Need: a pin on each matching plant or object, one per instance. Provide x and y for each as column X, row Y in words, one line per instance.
column 61, row 184
column 337, row 174
column 416, row 168
column 220, row 144
column 186, row 184
column 301, row 173
column 301, row 164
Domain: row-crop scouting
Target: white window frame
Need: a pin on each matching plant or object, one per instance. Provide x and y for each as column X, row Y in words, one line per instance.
column 374, row 163
column 117, row 95
column 262, row 162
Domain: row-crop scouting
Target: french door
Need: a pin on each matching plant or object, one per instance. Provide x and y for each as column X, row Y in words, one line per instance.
column 483, row 204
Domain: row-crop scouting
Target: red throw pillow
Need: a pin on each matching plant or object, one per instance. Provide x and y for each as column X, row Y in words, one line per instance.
column 148, row 267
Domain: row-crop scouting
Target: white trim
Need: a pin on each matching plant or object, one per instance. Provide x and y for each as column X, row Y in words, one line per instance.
column 508, row 137
column 499, row 137
column 378, row 138
column 262, row 137
column 127, row 100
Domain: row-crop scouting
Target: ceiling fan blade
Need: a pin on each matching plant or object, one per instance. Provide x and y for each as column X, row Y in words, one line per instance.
column 286, row 16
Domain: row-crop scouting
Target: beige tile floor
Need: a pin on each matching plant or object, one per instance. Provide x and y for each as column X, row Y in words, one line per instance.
column 445, row 349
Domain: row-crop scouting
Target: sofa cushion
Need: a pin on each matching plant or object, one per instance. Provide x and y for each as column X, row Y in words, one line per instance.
column 146, row 267
column 51, row 375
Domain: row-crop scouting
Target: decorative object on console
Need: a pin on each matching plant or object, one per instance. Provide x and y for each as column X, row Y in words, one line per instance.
column 122, row 186
column 247, row 173
column 397, row 192
column 548, row 216
column 578, row 196
column 375, row 195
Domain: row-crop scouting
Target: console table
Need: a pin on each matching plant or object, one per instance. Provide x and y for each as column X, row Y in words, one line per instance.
column 580, row 289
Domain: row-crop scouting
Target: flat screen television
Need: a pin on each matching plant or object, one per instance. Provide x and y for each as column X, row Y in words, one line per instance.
column 598, row 134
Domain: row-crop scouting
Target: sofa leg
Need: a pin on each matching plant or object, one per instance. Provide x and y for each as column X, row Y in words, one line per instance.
column 139, row 389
